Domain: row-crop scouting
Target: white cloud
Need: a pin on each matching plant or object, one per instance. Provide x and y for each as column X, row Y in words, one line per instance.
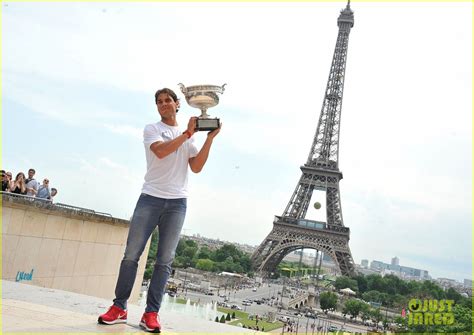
column 136, row 133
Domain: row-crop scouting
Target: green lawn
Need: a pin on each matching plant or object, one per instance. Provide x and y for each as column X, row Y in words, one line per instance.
column 243, row 318
column 238, row 314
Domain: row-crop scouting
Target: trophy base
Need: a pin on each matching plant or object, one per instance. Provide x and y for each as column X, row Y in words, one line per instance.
column 207, row 124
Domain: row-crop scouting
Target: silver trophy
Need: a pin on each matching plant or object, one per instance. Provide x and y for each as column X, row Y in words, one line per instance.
column 203, row 97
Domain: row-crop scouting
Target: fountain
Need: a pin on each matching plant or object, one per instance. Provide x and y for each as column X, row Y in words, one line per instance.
column 207, row 311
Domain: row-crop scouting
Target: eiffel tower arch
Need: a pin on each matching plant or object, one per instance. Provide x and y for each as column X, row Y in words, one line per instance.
column 292, row 230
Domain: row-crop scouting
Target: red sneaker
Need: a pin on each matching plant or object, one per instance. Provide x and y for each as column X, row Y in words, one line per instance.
column 114, row 315
column 151, row 322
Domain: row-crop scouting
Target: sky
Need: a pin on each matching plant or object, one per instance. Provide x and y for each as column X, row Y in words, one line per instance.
column 78, row 84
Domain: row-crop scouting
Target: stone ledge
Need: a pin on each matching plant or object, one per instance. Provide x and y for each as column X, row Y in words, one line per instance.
column 47, row 207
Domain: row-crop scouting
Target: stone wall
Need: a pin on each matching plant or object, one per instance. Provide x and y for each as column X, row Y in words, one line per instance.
column 64, row 248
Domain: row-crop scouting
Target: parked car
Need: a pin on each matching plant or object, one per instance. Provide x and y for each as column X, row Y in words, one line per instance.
column 236, row 307
column 254, row 289
column 311, row 315
column 246, row 303
column 332, row 328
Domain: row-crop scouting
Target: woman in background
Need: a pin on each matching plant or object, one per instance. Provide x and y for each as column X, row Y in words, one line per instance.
column 18, row 185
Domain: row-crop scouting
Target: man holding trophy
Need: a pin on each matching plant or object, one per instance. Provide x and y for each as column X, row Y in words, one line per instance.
column 169, row 151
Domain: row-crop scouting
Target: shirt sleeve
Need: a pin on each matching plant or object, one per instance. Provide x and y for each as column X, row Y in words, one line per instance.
column 193, row 150
column 151, row 135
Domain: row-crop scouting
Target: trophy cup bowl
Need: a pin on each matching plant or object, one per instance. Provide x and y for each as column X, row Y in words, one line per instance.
column 203, row 97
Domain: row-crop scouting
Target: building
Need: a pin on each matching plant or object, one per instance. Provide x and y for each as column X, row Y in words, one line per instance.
column 468, row 283
column 404, row 272
column 364, row 263
column 395, row 261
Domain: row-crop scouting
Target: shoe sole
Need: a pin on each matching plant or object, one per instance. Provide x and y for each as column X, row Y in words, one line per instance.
column 151, row 330
column 102, row 322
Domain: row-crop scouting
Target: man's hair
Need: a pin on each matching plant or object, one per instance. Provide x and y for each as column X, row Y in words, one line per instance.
column 168, row 91
column 32, row 170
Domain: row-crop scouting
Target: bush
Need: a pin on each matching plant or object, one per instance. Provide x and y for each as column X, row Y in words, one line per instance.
column 228, row 317
column 233, row 315
column 222, row 319
column 217, row 319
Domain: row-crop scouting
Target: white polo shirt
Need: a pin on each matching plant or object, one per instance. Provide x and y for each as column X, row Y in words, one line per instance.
column 166, row 177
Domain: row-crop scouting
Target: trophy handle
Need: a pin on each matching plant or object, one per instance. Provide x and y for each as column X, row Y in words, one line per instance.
column 223, row 88
column 183, row 88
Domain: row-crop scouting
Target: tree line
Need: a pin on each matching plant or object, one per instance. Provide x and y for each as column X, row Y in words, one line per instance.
column 188, row 254
column 393, row 292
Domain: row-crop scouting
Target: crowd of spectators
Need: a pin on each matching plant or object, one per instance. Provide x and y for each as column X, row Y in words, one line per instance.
column 27, row 186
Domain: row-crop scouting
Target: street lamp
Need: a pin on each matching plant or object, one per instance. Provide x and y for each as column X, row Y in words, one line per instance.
column 185, row 288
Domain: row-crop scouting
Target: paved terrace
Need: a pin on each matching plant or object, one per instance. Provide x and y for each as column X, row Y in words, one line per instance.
column 54, row 311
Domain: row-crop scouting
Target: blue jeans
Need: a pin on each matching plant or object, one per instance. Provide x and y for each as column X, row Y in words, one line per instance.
column 151, row 212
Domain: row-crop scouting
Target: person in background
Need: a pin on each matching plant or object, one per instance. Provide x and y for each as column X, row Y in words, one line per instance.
column 5, row 182
column 18, row 185
column 31, row 183
column 43, row 190
column 54, row 191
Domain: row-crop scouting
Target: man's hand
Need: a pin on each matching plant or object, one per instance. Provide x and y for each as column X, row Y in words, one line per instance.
column 192, row 124
column 197, row 163
column 213, row 133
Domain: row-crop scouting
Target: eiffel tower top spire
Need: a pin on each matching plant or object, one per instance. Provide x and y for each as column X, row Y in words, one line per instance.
column 324, row 151
column 347, row 15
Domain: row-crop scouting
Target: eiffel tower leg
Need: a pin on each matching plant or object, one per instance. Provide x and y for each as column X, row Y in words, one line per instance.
column 260, row 256
column 284, row 239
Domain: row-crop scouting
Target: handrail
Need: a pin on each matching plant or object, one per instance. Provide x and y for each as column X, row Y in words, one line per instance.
column 47, row 203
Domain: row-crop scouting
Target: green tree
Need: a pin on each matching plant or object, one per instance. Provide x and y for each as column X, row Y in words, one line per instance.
column 346, row 282
column 462, row 320
column 222, row 319
column 228, row 317
column 191, row 244
column 233, row 315
column 190, row 252
column 392, row 284
column 217, row 319
column 352, row 307
column 204, row 253
column 376, row 315
column 372, row 296
column 365, row 311
column 429, row 289
column 227, row 250
column 375, row 283
column 180, row 247
column 452, row 294
column 327, row 301
column 246, row 263
column 180, row 262
column 205, row 264
column 361, row 283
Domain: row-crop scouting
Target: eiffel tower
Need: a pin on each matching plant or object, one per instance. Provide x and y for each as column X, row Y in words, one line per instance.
column 292, row 231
